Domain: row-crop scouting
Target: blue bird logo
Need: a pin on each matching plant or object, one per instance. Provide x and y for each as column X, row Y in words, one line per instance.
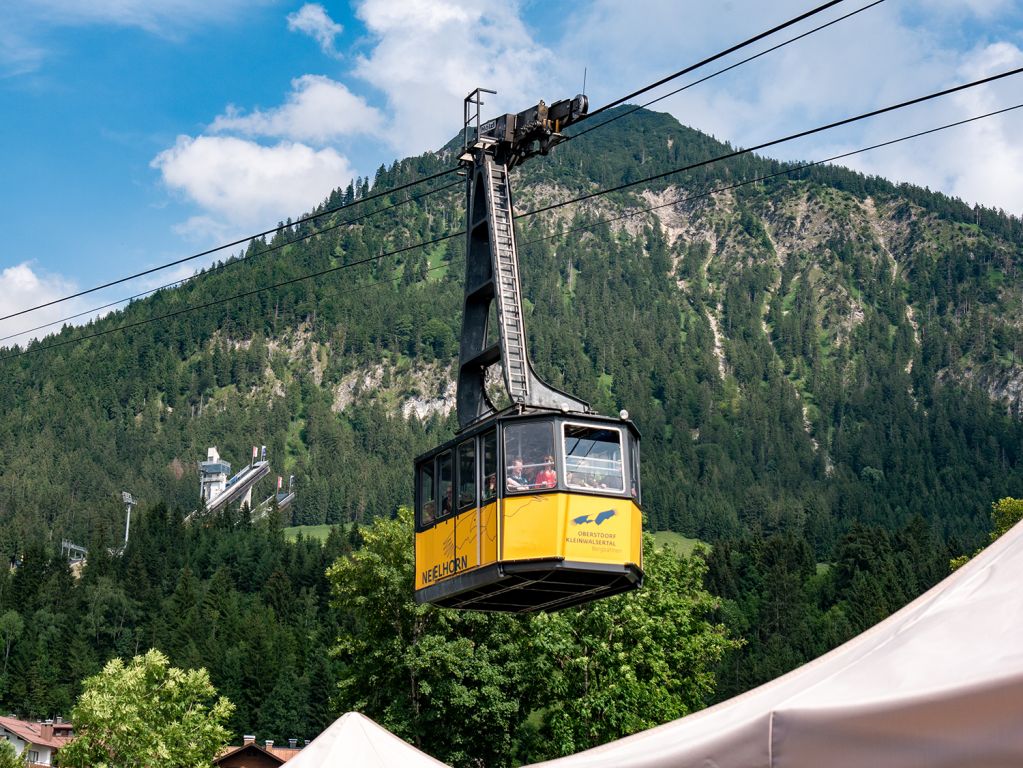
column 607, row 514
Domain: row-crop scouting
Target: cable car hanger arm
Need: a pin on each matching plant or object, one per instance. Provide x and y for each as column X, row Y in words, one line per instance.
column 534, row 131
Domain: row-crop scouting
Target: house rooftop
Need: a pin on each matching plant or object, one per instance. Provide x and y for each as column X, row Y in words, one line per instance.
column 229, row 756
column 52, row 735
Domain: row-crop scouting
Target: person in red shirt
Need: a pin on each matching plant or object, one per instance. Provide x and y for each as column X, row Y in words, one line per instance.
column 547, row 477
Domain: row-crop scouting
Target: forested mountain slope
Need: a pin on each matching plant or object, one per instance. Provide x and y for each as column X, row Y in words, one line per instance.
column 799, row 353
column 825, row 369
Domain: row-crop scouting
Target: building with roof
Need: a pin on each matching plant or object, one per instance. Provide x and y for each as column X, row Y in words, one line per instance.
column 213, row 474
column 36, row 742
column 252, row 755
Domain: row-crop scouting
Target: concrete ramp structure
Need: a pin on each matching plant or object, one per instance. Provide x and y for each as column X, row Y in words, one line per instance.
column 283, row 498
column 217, row 490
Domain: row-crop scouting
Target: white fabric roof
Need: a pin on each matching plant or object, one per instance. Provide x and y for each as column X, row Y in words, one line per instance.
column 937, row 684
column 355, row 741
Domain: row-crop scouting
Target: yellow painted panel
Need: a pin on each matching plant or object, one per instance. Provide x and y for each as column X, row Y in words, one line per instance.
column 488, row 534
column 435, row 554
column 591, row 529
column 531, row 526
column 455, row 545
column 467, row 533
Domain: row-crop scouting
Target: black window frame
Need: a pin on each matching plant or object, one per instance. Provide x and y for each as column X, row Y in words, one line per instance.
column 431, row 467
column 485, row 496
column 448, row 454
column 635, row 474
column 465, row 506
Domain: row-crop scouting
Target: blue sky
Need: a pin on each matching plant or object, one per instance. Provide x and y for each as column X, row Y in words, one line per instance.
column 138, row 131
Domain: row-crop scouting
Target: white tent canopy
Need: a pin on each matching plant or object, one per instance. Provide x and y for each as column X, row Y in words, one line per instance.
column 937, row 684
column 355, row 741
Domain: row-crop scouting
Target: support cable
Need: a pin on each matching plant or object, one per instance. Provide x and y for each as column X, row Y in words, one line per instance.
column 716, row 56
column 442, row 238
column 228, row 264
column 240, row 241
column 226, row 299
column 320, row 214
column 711, row 76
column 326, row 212
column 767, row 177
column 790, row 137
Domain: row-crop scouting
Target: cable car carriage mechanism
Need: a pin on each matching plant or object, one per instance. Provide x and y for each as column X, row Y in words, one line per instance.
column 535, row 506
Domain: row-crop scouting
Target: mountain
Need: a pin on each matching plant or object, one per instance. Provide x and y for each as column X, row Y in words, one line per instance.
column 816, row 349
column 824, row 367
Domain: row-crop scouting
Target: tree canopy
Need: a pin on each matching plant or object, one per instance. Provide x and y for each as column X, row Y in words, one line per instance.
column 529, row 686
column 147, row 714
column 8, row 757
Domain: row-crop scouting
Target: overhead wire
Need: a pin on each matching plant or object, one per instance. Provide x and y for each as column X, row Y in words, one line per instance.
column 722, row 71
column 774, row 142
column 228, row 264
column 233, row 243
column 785, row 171
column 788, row 171
column 590, row 195
column 226, row 299
column 319, row 214
column 716, row 56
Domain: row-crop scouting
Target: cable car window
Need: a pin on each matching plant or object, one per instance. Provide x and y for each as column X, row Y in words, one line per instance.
column 489, row 466
column 467, row 474
column 444, row 482
column 427, row 497
column 634, row 488
column 593, row 458
column 527, row 448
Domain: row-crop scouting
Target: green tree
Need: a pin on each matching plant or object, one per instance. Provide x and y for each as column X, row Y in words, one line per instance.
column 8, row 757
column 631, row 662
column 462, row 685
column 147, row 713
column 446, row 681
column 11, row 627
column 1005, row 513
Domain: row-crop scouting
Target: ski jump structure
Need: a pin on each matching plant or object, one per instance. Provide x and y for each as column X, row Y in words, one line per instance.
column 218, row 491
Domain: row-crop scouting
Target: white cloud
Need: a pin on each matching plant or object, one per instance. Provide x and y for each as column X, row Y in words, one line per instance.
column 242, row 185
column 979, row 162
column 312, row 19
column 17, row 54
column 429, row 54
column 164, row 17
column 983, row 161
column 22, row 287
column 884, row 55
column 981, row 8
column 317, row 110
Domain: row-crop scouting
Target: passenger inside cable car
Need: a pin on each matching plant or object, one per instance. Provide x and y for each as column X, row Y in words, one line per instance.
column 517, row 479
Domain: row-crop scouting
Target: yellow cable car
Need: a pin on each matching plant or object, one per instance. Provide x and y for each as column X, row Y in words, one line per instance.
column 530, row 512
column 535, row 506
